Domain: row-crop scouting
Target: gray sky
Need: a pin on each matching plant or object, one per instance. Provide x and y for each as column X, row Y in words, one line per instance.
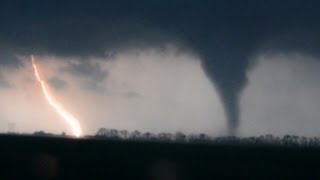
column 282, row 96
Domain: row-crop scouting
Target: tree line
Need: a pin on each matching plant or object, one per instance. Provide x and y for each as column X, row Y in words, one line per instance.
column 179, row 137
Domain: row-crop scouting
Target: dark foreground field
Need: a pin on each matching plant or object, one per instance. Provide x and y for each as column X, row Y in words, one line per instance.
column 41, row 157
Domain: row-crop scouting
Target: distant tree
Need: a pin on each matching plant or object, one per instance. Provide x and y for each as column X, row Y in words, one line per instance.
column 304, row 141
column 276, row 141
column 165, row 137
column 135, row 135
column 194, row 138
column 199, row 138
column 148, row 136
column 204, row 138
column 102, row 132
column 39, row 133
column 180, row 137
column 288, row 140
column 124, row 134
column 314, row 141
column 108, row 133
column 113, row 133
column 295, row 139
column 268, row 139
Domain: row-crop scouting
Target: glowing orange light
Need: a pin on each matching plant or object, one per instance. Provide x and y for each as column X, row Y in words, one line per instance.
column 69, row 118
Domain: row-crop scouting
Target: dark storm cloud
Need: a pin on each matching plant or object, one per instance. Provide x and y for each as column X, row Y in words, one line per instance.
column 223, row 33
column 91, row 74
column 57, row 83
column 86, row 70
column 8, row 57
column 300, row 40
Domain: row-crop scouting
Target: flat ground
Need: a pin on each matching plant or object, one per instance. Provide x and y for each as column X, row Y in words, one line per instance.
column 48, row 157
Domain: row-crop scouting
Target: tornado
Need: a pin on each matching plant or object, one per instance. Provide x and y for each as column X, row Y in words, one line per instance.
column 229, row 90
column 227, row 71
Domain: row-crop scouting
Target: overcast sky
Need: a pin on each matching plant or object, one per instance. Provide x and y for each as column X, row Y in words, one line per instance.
column 216, row 67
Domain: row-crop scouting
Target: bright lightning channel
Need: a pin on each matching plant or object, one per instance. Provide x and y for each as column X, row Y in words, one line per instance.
column 68, row 117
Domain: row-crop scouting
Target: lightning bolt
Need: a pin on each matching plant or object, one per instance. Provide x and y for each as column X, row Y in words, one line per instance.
column 66, row 116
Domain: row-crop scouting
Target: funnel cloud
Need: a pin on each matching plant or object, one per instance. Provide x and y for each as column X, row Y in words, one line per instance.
column 224, row 34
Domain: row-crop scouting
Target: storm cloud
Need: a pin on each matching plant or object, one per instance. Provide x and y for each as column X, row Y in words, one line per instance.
column 223, row 34
column 151, row 90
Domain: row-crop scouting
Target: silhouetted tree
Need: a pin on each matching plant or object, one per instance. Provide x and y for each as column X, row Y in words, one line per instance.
column 269, row 139
column 149, row 136
column 180, row 137
column 204, row 138
column 124, row 134
column 135, row 135
column 113, row 133
column 39, row 133
column 288, row 140
column 102, row 132
column 303, row 140
column 165, row 137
